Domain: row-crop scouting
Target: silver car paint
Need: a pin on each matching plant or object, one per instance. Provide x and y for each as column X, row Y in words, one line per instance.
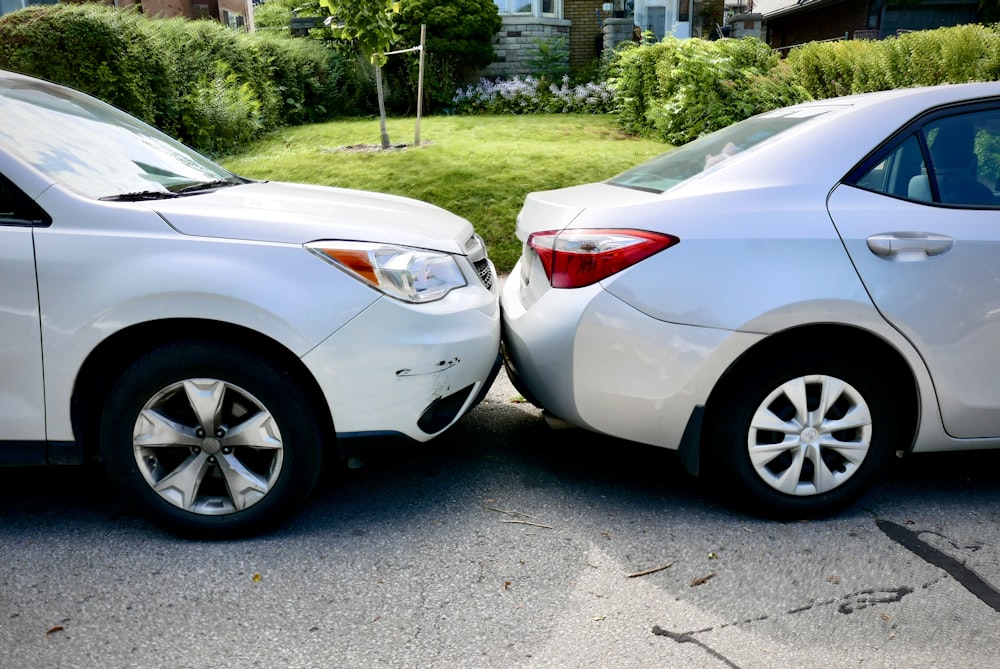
column 947, row 304
column 750, row 295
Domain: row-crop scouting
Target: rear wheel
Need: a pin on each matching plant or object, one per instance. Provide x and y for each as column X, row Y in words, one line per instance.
column 801, row 437
column 210, row 441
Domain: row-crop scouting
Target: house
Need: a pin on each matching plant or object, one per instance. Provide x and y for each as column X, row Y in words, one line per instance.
column 590, row 26
column 237, row 14
column 791, row 22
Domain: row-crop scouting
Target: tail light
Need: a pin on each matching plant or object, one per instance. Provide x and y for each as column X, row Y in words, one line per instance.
column 577, row 258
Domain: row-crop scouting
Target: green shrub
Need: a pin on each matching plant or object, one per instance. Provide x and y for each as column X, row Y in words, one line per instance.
column 550, row 58
column 458, row 42
column 681, row 89
column 192, row 79
column 632, row 74
column 102, row 52
column 193, row 50
column 925, row 58
column 222, row 112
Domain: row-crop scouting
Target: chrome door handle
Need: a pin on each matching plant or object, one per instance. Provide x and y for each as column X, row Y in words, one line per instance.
column 913, row 245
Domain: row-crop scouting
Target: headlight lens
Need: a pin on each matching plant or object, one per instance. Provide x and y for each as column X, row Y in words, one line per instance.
column 408, row 274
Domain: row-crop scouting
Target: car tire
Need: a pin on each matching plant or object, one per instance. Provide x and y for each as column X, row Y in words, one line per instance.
column 210, row 441
column 801, row 437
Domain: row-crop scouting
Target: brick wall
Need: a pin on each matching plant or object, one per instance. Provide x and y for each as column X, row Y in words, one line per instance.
column 584, row 32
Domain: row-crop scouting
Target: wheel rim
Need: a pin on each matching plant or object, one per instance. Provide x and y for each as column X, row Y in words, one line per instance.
column 207, row 446
column 810, row 435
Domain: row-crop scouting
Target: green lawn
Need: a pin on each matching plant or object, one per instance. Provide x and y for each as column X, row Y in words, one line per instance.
column 479, row 167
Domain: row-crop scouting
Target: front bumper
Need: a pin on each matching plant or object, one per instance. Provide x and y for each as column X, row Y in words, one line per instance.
column 410, row 370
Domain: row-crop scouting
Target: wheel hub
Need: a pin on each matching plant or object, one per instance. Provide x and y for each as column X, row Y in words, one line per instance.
column 211, row 445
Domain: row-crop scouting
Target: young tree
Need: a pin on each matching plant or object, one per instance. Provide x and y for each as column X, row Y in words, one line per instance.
column 369, row 24
column 460, row 35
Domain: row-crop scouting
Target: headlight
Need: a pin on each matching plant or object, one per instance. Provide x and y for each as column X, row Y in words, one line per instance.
column 411, row 275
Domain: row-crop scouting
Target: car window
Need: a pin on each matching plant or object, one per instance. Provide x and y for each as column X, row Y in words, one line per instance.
column 92, row 147
column 669, row 169
column 954, row 160
column 16, row 208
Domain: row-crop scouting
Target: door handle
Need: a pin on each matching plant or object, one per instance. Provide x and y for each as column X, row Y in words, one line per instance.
column 909, row 245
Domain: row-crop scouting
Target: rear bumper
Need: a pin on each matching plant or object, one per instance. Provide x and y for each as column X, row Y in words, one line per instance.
column 594, row 361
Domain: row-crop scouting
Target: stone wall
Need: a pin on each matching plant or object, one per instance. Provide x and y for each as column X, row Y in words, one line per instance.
column 747, row 25
column 616, row 31
column 516, row 43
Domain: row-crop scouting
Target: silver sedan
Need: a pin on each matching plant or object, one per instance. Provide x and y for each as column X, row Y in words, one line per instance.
column 788, row 302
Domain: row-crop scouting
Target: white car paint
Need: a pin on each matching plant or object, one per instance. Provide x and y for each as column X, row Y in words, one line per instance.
column 235, row 256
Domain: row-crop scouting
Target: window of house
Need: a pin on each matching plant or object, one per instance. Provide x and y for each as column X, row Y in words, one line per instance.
column 528, row 7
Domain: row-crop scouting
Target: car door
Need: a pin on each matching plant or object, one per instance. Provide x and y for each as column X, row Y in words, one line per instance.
column 22, row 401
column 921, row 222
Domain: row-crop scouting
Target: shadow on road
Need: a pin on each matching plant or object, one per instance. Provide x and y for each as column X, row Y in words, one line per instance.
column 497, row 452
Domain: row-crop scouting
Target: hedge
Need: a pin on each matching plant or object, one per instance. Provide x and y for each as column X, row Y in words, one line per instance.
column 209, row 86
column 677, row 90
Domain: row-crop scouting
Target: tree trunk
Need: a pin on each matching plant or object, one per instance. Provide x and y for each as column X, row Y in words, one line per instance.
column 381, row 106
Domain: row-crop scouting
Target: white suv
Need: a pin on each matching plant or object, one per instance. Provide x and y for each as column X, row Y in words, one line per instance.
column 209, row 336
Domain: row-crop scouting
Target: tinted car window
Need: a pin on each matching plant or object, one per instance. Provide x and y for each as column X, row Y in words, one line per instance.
column 16, row 208
column 953, row 160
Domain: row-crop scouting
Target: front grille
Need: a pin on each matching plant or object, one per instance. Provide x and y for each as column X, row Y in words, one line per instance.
column 476, row 250
column 485, row 272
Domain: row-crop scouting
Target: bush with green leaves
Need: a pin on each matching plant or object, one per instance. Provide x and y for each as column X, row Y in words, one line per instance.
column 678, row 90
column 222, row 111
column 199, row 81
column 550, row 58
column 458, row 44
column 924, row 58
column 631, row 72
column 103, row 52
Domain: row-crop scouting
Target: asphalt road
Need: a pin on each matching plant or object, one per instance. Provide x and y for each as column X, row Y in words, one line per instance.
column 507, row 544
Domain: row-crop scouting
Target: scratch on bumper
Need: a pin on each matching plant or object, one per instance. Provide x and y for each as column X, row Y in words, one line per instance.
column 433, row 369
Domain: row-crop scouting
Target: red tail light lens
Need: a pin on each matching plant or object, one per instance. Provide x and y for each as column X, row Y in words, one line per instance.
column 577, row 258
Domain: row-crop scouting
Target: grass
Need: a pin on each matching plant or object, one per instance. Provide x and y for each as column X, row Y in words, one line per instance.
column 479, row 167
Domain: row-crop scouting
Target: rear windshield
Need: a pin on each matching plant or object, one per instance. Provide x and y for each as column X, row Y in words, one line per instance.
column 673, row 167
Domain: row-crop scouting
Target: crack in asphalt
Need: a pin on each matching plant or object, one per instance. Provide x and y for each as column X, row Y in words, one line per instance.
column 966, row 577
column 863, row 599
column 685, row 637
column 855, row 601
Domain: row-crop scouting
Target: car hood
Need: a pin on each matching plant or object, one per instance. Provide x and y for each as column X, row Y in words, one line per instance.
column 557, row 209
column 298, row 213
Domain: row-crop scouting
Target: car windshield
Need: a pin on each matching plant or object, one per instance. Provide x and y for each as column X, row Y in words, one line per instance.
column 94, row 148
column 678, row 165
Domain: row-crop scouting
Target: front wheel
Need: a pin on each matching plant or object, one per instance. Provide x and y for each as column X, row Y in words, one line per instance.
column 800, row 437
column 210, row 441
